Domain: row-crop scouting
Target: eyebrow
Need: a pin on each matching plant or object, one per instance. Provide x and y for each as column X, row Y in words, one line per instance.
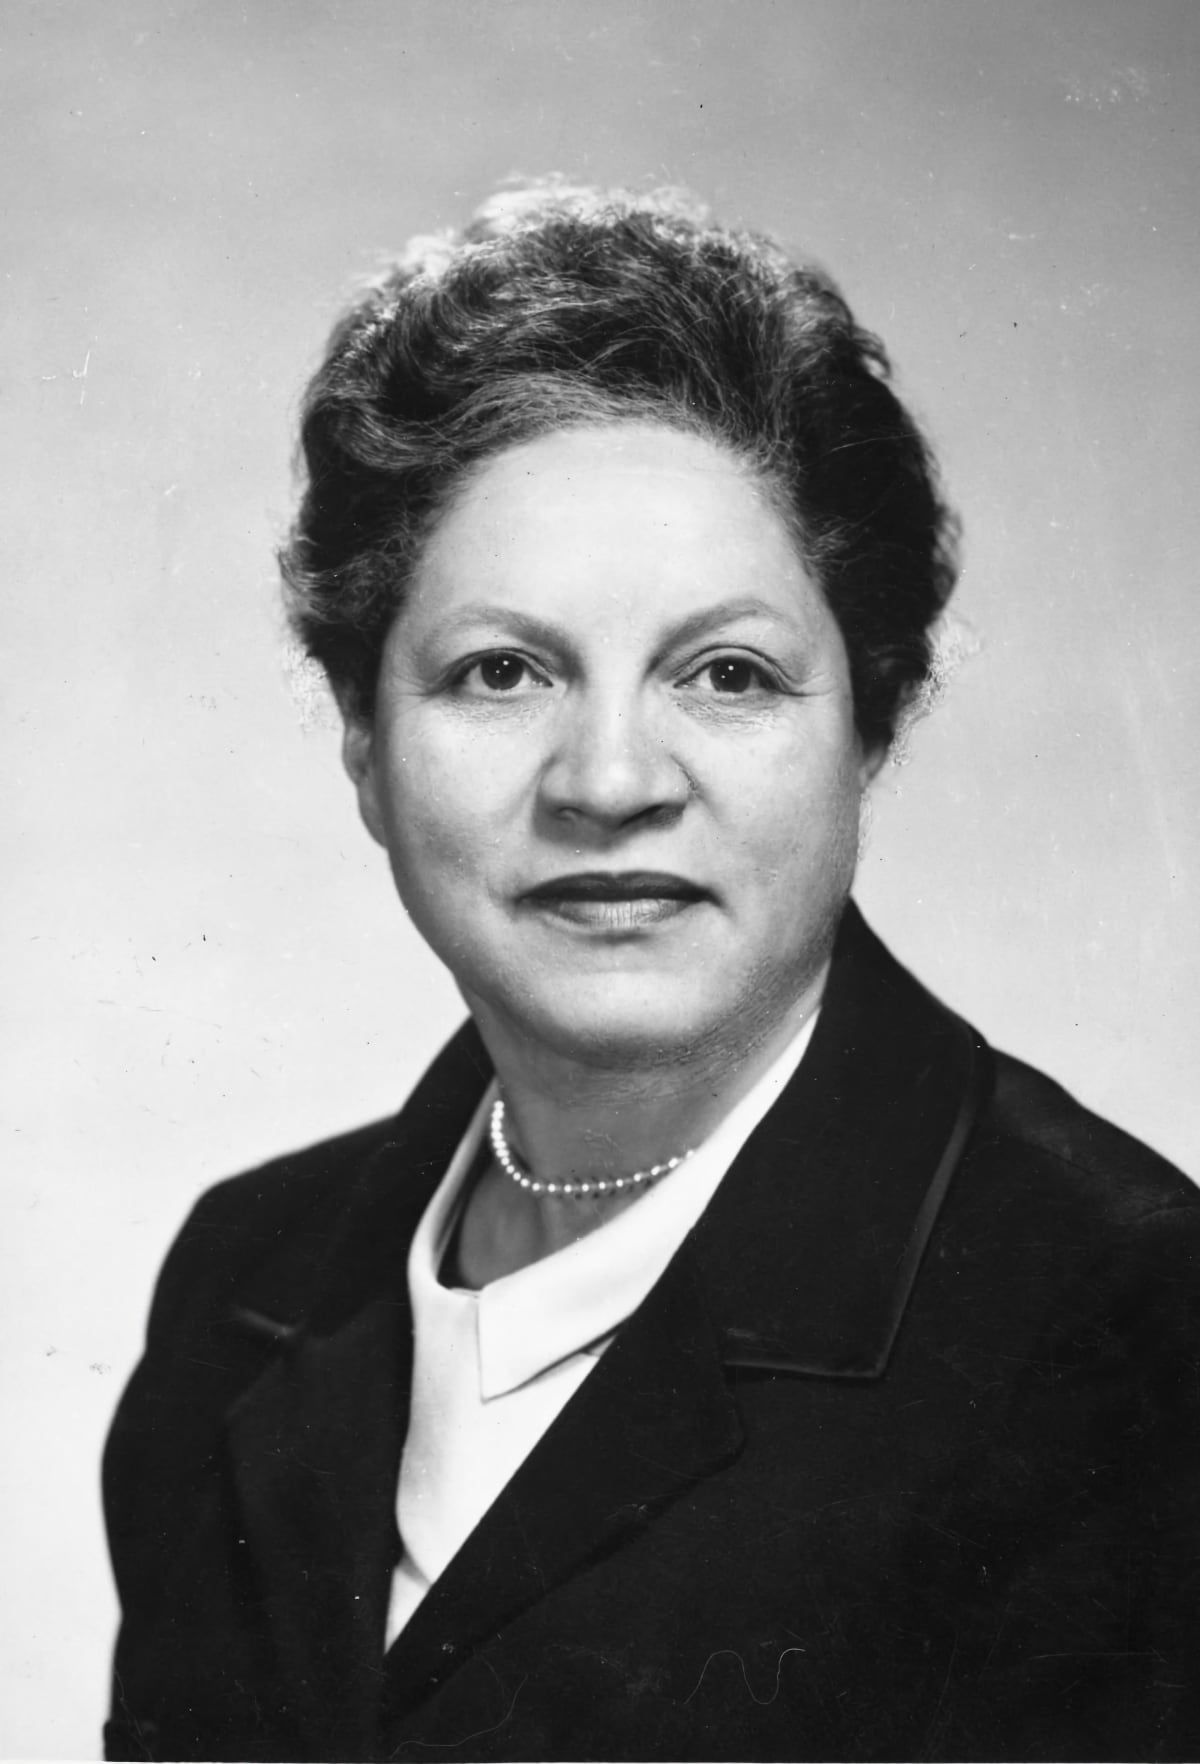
column 686, row 630
column 726, row 612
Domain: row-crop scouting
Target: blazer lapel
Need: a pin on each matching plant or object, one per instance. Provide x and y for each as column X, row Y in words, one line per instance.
column 653, row 1417
column 315, row 1451
column 811, row 1246
column 314, row 1443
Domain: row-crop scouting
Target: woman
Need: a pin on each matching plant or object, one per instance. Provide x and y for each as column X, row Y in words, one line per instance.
column 724, row 1354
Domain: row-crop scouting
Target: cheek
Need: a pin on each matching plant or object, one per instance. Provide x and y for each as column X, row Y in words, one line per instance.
column 807, row 808
column 442, row 808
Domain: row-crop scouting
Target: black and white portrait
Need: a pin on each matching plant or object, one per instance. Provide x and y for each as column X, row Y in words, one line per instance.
column 600, row 697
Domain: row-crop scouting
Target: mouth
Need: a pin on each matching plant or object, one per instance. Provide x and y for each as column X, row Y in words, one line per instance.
column 612, row 900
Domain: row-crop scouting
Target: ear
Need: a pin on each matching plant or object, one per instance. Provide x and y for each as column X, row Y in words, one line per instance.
column 870, row 761
column 358, row 757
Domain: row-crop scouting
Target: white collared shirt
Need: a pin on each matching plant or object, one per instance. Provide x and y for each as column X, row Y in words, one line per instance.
column 493, row 1368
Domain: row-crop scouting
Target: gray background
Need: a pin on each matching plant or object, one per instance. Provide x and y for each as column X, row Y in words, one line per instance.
column 205, row 964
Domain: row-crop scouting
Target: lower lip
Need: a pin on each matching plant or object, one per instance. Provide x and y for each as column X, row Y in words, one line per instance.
column 615, row 915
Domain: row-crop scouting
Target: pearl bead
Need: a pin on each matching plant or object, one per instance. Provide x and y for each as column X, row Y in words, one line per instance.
column 571, row 1190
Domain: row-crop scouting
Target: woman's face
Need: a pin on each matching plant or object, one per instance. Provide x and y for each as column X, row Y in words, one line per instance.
column 614, row 760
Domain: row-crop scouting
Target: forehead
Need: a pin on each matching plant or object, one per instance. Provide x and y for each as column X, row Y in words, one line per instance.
column 604, row 509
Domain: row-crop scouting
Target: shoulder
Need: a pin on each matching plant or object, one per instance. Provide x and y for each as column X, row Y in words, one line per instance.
column 1057, row 1219
column 1033, row 1167
column 293, row 1200
column 266, row 1199
column 267, row 1235
column 230, row 1293
column 1032, row 1122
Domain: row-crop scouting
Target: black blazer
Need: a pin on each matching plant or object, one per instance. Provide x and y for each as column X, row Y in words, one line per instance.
column 899, row 1459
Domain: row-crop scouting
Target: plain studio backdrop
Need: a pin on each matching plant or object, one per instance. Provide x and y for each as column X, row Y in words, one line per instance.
column 205, row 961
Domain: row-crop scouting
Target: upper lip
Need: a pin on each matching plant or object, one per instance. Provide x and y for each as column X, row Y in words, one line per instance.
column 618, row 885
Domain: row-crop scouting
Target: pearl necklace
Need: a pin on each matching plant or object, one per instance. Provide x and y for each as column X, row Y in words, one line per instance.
column 573, row 1190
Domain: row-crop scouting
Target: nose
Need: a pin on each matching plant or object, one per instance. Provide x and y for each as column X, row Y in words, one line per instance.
column 611, row 763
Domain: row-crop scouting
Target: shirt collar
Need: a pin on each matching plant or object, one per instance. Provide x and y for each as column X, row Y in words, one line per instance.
column 572, row 1300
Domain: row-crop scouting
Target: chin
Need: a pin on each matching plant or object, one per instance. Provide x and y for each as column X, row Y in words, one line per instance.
column 615, row 1028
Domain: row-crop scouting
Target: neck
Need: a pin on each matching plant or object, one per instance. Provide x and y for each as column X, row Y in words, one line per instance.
column 569, row 1120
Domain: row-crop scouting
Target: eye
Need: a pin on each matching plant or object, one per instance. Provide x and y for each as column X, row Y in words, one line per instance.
column 503, row 671
column 732, row 676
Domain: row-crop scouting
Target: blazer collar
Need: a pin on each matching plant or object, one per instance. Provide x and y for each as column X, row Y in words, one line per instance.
column 353, row 1247
column 810, row 1248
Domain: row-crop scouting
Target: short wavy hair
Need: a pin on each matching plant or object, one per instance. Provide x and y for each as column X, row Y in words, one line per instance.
column 559, row 306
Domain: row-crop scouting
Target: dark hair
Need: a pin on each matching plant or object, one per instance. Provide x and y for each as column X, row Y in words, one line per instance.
column 559, row 306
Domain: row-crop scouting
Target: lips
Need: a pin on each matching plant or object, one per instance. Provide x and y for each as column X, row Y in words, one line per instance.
column 618, row 885
column 616, row 900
